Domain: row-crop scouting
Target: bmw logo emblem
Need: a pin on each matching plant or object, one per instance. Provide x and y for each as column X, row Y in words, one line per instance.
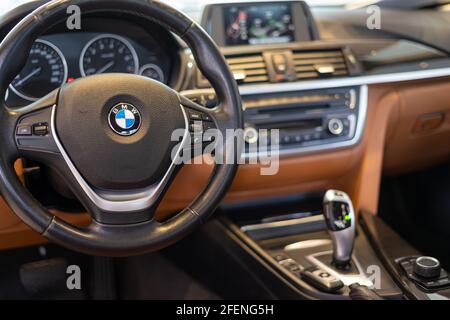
column 124, row 119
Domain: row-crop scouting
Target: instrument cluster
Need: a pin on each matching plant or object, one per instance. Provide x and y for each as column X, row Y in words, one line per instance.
column 58, row 58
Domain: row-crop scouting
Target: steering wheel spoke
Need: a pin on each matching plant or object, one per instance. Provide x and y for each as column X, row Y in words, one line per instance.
column 116, row 207
column 122, row 207
column 34, row 129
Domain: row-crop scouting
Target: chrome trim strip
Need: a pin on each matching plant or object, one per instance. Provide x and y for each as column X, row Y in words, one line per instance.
column 347, row 279
column 307, row 244
column 343, row 82
column 282, row 223
column 125, row 201
column 289, row 216
column 362, row 113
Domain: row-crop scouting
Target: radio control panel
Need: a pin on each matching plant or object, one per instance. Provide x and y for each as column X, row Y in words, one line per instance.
column 306, row 120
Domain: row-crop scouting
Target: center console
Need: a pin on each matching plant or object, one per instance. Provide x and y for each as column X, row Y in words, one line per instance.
column 322, row 252
column 318, row 247
column 267, row 43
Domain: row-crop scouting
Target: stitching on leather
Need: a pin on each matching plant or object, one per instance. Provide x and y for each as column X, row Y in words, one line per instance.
column 196, row 214
column 194, row 211
column 187, row 29
column 48, row 226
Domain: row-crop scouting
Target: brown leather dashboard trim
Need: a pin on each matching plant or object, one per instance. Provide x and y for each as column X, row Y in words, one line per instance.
column 386, row 142
column 422, row 138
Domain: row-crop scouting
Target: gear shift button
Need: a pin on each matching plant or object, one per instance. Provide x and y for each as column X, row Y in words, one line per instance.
column 322, row 280
column 340, row 219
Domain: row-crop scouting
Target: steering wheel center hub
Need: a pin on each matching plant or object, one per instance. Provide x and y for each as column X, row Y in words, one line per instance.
column 124, row 119
column 117, row 129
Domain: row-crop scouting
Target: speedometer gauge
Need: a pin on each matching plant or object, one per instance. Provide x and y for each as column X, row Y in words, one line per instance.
column 45, row 70
column 108, row 53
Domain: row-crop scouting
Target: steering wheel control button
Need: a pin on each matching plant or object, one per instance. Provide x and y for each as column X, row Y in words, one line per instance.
column 427, row 267
column 40, row 129
column 199, row 124
column 196, row 139
column 194, row 115
column 206, row 117
column 33, row 132
column 124, row 119
column 23, row 130
column 321, row 280
column 208, row 100
column 208, row 125
column 196, row 126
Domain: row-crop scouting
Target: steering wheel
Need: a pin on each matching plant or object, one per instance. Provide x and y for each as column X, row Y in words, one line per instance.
column 109, row 138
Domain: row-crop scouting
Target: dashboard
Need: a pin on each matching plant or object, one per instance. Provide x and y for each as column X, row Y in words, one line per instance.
column 313, row 90
column 335, row 99
column 60, row 57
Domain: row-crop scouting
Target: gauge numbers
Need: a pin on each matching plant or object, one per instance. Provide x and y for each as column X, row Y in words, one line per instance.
column 108, row 53
column 44, row 71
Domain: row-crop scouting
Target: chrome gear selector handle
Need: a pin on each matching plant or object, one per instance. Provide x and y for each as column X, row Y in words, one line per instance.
column 340, row 219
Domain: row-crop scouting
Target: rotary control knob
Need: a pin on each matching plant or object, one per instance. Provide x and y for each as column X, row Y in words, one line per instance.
column 427, row 267
column 250, row 135
column 335, row 126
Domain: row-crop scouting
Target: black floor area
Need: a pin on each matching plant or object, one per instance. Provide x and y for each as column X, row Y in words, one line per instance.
column 154, row 277
column 417, row 206
column 41, row 273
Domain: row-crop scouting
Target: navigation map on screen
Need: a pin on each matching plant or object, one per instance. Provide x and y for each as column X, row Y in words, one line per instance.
column 258, row 24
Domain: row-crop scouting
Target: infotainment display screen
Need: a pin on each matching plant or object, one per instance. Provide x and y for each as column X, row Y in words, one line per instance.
column 258, row 24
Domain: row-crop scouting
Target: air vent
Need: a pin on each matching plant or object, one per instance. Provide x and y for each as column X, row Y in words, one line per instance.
column 248, row 68
column 316, row 64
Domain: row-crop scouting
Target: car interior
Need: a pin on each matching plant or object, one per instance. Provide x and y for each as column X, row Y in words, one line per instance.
column 348, row 201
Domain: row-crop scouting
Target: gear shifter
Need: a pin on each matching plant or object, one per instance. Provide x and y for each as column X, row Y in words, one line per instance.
column 340, row 219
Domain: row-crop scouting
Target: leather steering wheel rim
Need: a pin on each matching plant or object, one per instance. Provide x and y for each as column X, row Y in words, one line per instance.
column 116, row 239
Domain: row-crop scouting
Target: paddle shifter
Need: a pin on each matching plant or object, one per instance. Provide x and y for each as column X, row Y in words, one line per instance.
column 340, row 219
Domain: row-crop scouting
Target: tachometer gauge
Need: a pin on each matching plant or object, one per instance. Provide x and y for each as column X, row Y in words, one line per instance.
column 45, row 70
column 108, row 53
column 152, row 71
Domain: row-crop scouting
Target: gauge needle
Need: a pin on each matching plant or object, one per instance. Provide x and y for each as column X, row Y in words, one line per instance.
column 32, row 73
column 105, row 67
